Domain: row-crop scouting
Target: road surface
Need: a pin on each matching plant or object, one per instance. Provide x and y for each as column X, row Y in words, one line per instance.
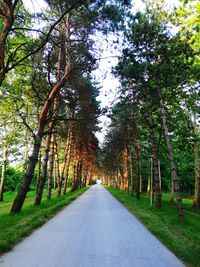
column 94, row 231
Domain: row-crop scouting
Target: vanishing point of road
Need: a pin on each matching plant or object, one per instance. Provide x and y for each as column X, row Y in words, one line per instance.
column 94, row 231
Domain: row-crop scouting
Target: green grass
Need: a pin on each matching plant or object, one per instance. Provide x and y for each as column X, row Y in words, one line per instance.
column 181, row 237
column 17, row 226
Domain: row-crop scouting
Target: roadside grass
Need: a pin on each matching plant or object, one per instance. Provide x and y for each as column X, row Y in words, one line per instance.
column 14, row 227
column 181, row 237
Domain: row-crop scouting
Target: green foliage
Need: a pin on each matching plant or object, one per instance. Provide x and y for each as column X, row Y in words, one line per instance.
column 14, row 178
column 181, row 237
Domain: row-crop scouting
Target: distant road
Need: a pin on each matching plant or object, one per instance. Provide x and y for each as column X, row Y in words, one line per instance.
column 94, row 231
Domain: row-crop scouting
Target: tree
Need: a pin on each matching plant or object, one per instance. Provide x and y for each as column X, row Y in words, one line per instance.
column 19, row 200
column 151, row 62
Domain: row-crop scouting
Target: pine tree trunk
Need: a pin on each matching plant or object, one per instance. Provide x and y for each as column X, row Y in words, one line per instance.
column 156, row 180
column 50, row 172
column 74, row 187
column 57, row 165
column 196, row 201
column 118, row 174
column 3, row 171
column 136, row 152
column 79, row 172
column 26, row 155
column 55, row 171
column 149, row 186
column 137, row 169
column 67, row 172
column 7, row 17
column 140, row 183
column 125, row 161
column 42, row 180
column 65, row 162
column 131, row 169
column 19, row 200
column 39, row 172
column 171, row 156
column 172, row 193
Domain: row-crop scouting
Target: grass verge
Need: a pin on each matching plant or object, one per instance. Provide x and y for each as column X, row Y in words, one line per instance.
column 14, row 227
column 181, row 237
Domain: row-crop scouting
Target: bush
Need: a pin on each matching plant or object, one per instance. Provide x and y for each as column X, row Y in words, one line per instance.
column 13, row 179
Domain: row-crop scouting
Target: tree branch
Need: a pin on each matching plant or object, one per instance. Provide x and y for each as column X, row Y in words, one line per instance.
column 47, row 36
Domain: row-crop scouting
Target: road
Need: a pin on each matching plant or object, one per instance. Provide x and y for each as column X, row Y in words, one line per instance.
column 93, row 231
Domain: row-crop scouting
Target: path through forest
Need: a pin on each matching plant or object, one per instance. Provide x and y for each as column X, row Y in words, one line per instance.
column 94, row 231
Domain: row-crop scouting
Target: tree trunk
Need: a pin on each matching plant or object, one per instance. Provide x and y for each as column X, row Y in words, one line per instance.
column 26, row 153
column 118, row 182
column 79, row 174
column 156, row 180
column 140, row 183
column 3, row 171
column 172, row 192
column 39, row 172
column 67, row 170
column 57, row 164
column 50, row 172
column 171, row 155
column 73, row 188
column 7, row 17
column 137, row 168
column 125, row 163
column 19, row 200
column 65, row 162
column 42, row 180
column 196, row 201
column 149, row 186
column 131, row 169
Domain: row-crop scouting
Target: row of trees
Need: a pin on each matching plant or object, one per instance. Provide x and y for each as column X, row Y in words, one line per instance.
column 48, row 97
column 156, row 117
column 49, row 112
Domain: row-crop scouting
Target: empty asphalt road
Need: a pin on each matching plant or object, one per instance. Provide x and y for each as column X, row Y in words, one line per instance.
column 94, row 231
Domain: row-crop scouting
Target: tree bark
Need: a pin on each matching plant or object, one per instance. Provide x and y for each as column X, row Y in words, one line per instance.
column 68, row 160
column 137, row 164
column 74, row 184
column 39, row 172
column 131, row 168
column 65, row 163
column 148, row 185
column 50, row 172
column 156, row 179
column 42, row 180
column 177, row 188
column 56, row 159
column 19, row 200
column 3, row 171
column 125, row 163
column 7, row 15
